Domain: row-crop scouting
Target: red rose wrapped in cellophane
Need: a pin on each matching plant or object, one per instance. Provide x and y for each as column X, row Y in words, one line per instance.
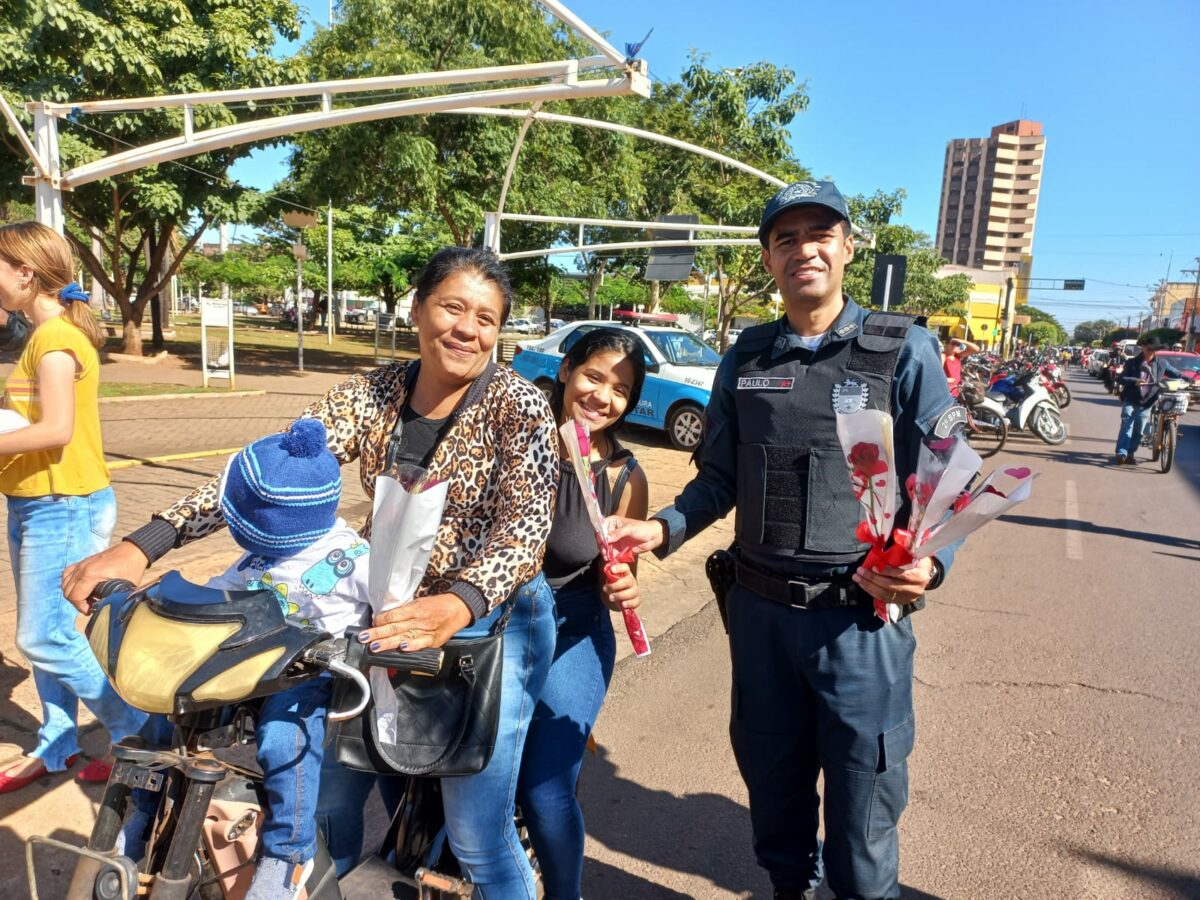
column 866, row 440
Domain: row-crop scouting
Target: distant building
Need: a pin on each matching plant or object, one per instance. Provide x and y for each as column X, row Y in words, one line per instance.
column 990, row 190
column 1170, row 303
column 984, row 308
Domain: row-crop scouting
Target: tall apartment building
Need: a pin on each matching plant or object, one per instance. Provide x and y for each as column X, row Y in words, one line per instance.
column 990, row 191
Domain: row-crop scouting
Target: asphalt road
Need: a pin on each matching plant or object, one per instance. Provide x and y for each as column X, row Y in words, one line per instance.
column 1057, row 698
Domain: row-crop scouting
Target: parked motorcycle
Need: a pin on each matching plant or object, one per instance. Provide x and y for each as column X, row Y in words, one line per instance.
column 1026, row 405
column 204, row 658
column 1052, row 380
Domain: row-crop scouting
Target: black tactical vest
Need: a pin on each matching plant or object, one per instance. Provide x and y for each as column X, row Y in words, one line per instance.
column 794, row 499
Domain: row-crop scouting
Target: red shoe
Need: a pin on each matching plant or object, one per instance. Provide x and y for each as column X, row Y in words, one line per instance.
column 95, row 772
column 10, row 783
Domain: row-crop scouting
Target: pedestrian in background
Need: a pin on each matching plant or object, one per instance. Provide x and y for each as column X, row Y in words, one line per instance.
column 820, row 685
column 1138, row 381
column 954, row 351
column 60, row 505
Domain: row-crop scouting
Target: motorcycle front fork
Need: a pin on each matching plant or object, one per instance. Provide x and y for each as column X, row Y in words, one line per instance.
column 174, row 880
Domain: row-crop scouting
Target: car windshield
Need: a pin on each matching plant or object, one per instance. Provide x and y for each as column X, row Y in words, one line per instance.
column 682, row 348
column 1183, row 363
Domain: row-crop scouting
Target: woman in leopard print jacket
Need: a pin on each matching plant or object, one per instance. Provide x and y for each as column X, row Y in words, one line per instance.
column 488, row 433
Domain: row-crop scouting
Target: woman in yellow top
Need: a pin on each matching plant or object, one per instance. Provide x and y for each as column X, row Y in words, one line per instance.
column 60, row 505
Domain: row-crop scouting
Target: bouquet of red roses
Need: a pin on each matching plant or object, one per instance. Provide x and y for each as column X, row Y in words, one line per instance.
column 943, row 510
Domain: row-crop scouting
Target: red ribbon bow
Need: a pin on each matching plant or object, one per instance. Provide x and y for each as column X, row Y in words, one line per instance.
column 897, row 553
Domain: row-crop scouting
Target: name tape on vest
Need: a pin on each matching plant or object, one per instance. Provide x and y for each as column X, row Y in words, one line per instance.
column 762, row 383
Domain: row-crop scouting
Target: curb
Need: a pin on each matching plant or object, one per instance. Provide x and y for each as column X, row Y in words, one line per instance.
column 169, row 458
column 205, row 396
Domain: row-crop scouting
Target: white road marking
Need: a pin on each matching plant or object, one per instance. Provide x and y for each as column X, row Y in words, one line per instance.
column 1074, row 535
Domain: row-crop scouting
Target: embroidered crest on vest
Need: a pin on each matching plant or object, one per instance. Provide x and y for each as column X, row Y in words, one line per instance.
column 850, row 395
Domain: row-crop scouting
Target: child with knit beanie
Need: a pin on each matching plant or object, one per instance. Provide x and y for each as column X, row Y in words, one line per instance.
column 279, row 497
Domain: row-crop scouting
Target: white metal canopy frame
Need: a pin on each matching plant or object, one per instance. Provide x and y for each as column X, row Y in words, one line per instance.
column 555, row 80
column 492, row 223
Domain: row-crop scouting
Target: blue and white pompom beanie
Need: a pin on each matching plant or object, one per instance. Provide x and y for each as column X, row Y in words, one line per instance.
column 280, row 494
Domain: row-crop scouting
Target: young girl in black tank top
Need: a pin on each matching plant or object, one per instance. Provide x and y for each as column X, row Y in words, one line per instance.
column 599, row 383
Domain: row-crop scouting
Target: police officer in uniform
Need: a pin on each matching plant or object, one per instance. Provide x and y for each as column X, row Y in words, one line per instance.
column 819, row 684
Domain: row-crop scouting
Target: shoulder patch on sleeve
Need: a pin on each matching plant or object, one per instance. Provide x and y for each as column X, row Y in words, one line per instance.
column 952, row 418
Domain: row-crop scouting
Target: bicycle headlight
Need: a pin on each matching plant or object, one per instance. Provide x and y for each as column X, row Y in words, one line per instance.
column 1168, row 405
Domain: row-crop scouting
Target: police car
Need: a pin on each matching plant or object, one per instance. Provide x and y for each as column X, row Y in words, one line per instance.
column 680, row 369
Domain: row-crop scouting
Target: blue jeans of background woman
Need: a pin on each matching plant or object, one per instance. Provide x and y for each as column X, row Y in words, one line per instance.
column 479, row 808
column 571, row 699
column 45, row 535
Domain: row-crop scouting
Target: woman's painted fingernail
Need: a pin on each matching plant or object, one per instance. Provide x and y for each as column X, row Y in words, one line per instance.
column 375, row 645
column 404, row 645
column 364, row 636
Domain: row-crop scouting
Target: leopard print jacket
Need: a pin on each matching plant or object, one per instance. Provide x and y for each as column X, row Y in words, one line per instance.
column 500, row 458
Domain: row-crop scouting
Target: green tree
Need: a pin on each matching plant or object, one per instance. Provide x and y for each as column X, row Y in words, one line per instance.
column 1118, row 334
column 741, row 112
column 1058, row 336
column 1092, row 331
column 924, row 292
column 1041, row 333
column 147, row 220
column 453, row 166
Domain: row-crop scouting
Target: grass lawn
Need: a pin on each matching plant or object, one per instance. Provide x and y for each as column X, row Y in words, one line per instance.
column 259, row 341
column 126, row 389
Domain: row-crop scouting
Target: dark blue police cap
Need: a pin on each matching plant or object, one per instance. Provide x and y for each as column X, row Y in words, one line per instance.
column 802, row 193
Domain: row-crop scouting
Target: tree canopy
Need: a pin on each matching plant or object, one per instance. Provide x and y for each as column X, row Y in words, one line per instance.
column 147, row 220
column 403, row 187
column 924, row 293
column 1092, row 331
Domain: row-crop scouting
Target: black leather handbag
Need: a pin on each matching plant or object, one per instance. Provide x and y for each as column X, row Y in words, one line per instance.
column 446, row 723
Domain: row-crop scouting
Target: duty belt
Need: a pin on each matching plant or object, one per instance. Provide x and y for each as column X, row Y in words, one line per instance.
column 801, row 594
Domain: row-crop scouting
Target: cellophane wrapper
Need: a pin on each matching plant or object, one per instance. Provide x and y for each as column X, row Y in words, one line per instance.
column 577, row 440
column 867, row 446
column 405, row 518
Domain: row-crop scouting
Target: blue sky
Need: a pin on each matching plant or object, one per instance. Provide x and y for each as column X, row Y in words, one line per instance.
column 1116, row 86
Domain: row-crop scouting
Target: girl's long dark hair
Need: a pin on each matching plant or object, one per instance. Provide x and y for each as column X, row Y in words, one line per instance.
column 603, row 340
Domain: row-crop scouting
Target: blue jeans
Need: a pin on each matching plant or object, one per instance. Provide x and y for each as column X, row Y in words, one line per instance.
column 1133, row 423
column 290, row 733
column 45, row 535
column 822, row 691
column 570, row 701
column 479, row 808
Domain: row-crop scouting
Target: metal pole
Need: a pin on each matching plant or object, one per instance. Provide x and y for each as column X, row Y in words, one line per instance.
column 47, row 196
column 887, row 288
column 300, row 311
column 329, row 256
column 203, row 341
column 229, row 347
column 491, row 232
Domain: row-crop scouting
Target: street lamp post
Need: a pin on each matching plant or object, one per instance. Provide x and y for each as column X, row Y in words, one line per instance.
column 299, row 220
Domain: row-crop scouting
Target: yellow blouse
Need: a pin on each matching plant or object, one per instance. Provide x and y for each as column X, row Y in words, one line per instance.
column 79, row 467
